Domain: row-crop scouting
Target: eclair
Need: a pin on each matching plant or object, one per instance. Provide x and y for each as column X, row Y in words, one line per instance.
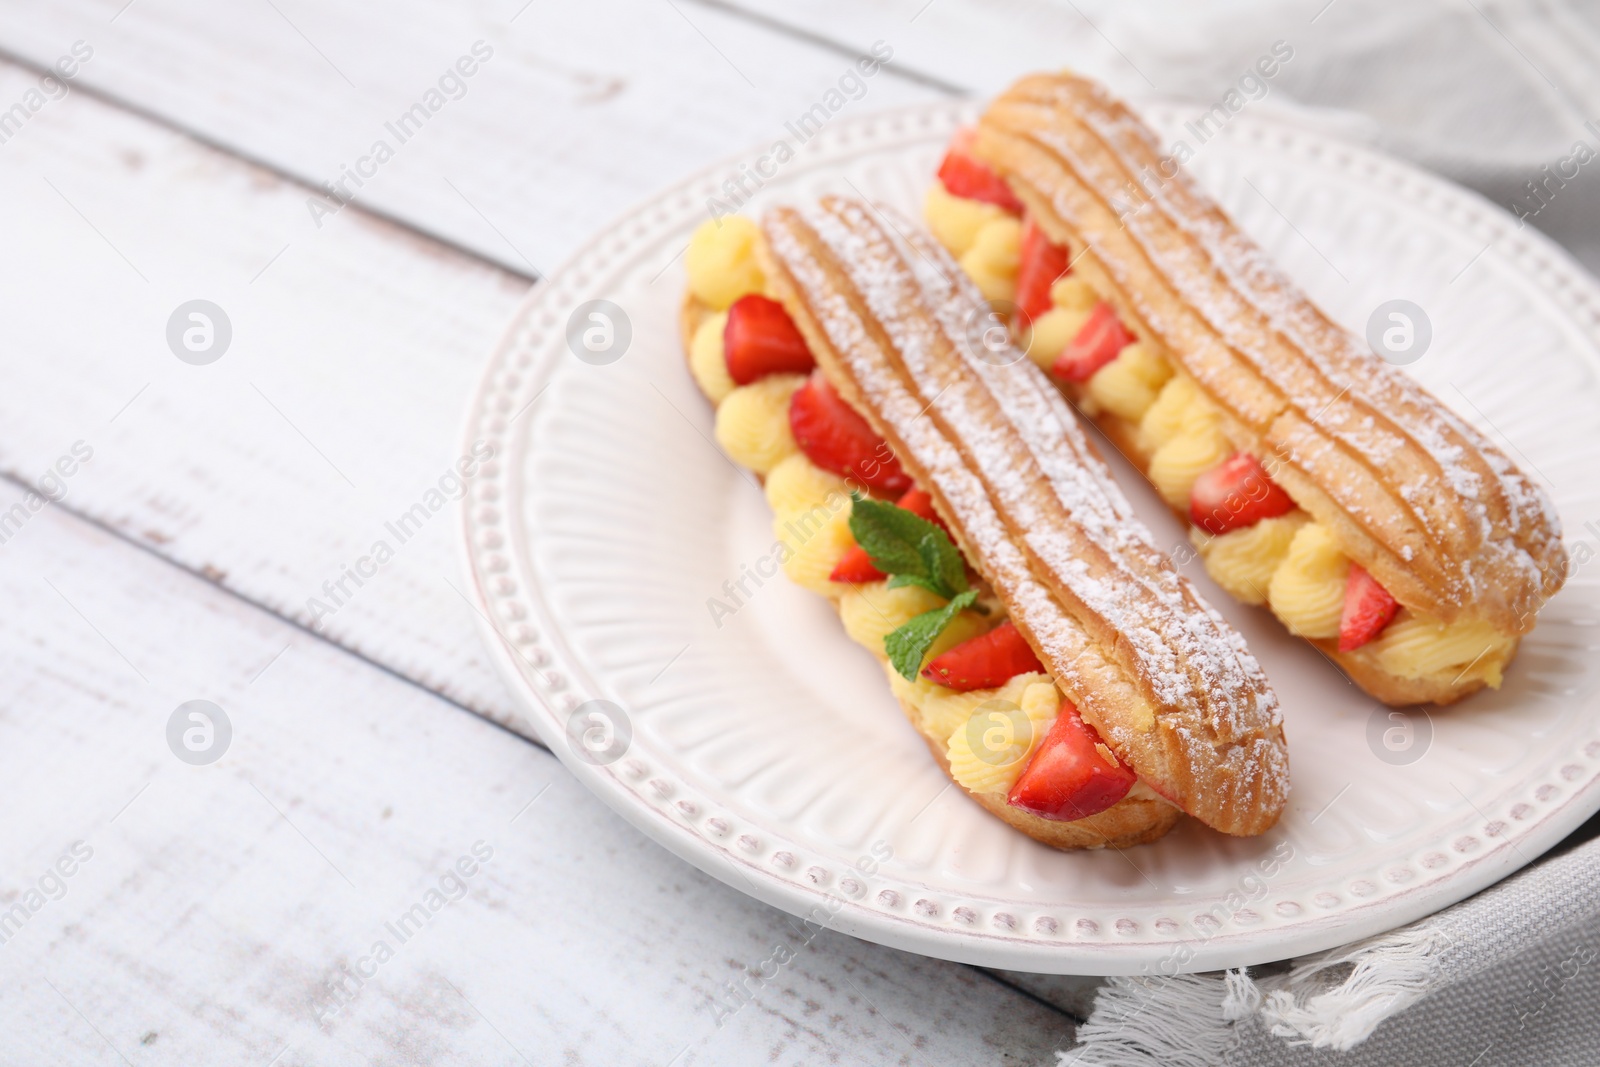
column 1319, row 480
column 945, row 498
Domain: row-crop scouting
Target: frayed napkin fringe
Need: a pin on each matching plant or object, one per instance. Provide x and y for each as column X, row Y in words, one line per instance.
column 1387, row 975
column 1333, row 1000
column 1146, row 1022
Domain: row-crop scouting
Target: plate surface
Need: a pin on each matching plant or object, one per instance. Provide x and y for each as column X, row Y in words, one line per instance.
column 765, row 748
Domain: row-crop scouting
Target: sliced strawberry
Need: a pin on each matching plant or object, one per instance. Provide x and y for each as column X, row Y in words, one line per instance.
column 761, row 339
column 1073, row 775
column 1368, row 608
column 984, row 662
column 856, row 566
column 965, row 176
column 920, row 504
column 1234, row 494
column 1097, row 344
column 837, row 439
column 1041, row 264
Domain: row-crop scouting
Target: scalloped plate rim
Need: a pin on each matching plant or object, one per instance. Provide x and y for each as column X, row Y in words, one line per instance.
column 1054, row 953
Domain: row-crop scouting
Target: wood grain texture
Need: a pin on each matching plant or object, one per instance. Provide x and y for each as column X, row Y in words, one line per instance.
column 333, row 412
column 208, row 923
column 982, row 46
column 582, row 111
column 219, row 900
column 1072, row 994
column 355, row 344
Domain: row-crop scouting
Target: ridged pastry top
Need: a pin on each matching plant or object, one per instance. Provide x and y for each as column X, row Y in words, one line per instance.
column 1150, row 665
column 1439, row 515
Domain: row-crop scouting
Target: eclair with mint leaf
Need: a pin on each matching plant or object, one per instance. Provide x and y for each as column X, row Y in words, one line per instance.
column 946, row 501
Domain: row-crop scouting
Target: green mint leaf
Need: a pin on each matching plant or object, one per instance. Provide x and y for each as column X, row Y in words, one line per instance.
column 907, row 645
column 901, row 543
column 889, row 535
column 943, row 561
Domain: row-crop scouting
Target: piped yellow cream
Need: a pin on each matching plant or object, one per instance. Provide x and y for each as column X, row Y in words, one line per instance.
column 796, row 486
column 1051, row 332
column 1129, row 384
column 1244, row 561
column 1071, row 301
column 955, row 220
column 990, row 746
column 1415, row 647
column 992, row 260
column 871, row 611
column 753, row 422
column 707, row 360
column 721, row 261
column 1198, row 446
column 817, row 540
column 1307, row 589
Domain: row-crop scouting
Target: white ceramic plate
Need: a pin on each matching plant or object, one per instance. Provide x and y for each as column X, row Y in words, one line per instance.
column 768, row 751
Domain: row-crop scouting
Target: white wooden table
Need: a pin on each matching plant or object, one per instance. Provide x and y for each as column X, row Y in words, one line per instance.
column 227, row 913
column 157, row 912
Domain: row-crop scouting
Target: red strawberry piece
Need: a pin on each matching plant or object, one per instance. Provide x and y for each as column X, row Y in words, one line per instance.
column 761, row 339
column 837, row 439
column 856, row 566
column 1234, row 494
column 1097, row 344
column 1041, row 264
column 1073, row 775
column 965, row 176
column 920, row 504
column 984, row 662
column 1368, row 608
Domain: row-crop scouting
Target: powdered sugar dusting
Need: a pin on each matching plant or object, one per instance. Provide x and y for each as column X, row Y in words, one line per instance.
column 1362, row 429
column 1035, row 507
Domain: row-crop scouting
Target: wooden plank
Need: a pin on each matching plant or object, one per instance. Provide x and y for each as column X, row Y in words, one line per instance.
column 580, row 111
column 210, row 906
column 1071, row 994
column 982, row 46
column 279, row 466
column 334, row 410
